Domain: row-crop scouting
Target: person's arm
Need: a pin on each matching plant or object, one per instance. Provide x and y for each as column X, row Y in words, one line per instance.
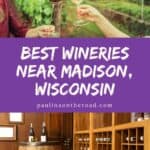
column 91, row 14
column 108, row 29
column 17, row 26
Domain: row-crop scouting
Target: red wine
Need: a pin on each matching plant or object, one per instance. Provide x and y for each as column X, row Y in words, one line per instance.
column 31, row 133
column 43, row 133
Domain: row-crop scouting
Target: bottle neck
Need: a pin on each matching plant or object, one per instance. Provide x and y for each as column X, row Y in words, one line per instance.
column 43, row 130
column 31, row 131
column 44, row 133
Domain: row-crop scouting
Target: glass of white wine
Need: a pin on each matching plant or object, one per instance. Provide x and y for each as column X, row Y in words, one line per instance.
column 79, row 22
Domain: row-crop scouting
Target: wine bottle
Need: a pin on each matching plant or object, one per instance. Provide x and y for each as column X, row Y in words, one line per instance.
column 140, row 116
column 146, row 115
column 81, row 148
column 133, row 116
column 141, row 138
column 43, row 133
column 31, row 133
column 133, row 139
column 127, row 139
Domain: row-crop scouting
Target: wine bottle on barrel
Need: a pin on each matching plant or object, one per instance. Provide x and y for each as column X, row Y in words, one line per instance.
column 43, row 133
column 31, row 133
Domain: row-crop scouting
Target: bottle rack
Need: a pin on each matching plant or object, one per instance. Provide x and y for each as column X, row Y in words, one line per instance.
column 131, row 139
column 103, row 141
column 82, row 141
column 110, row 131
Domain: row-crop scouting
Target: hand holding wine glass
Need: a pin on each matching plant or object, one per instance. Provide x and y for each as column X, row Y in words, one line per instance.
column 89, row 13
column 78, row 22
column 43, row 31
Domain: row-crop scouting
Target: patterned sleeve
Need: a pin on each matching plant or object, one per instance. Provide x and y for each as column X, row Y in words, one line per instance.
column 17, row 26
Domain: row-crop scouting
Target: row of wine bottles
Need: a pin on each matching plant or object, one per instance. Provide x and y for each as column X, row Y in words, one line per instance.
column 139, row 116
column 83, row 139
column 31, row 137
column 134, row 139
column 103, row 140
column 84, row 147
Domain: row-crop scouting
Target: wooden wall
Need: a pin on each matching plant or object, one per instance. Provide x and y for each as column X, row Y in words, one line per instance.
column 58, row 125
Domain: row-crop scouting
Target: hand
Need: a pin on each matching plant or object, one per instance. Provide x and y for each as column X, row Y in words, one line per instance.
column 88, row 12
column 41, row 31
column 45, row 31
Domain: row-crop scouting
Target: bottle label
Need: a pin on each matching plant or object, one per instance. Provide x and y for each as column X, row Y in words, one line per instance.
column 132, row 139
column 30, row 139
column 43, row 138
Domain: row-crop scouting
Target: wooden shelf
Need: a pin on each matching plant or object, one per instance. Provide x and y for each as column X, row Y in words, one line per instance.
column 132, row 125
column 102, row 129
column 132, row 144
column 117, row 127
column 105, row 143
column 82, row 132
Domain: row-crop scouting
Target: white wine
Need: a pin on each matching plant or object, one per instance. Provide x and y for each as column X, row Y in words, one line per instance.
column 77, row 2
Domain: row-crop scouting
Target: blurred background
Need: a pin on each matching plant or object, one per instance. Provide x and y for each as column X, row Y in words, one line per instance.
column 130, row 16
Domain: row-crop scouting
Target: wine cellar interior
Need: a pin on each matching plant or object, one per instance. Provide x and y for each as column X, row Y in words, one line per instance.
column 111, row 131
column 77, row 131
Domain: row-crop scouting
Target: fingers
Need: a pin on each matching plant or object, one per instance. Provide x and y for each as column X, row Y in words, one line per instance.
column 44, row 34
column 88, row 9
column 84, row 12
column 46, row 30
column 84, row 6
column 88, row 12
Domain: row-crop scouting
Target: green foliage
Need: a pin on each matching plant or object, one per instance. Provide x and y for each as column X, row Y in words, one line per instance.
column 39, row 11
column 131, row 9
column 132, row 27
column 146, row 2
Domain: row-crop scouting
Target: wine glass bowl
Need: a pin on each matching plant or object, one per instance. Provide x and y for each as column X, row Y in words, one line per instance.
column 77, row 2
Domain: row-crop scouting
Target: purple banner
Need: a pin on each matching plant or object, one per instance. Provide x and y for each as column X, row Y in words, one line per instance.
column 68, row 75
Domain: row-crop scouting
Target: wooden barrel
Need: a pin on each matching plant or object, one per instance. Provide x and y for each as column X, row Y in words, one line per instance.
column 52, row 145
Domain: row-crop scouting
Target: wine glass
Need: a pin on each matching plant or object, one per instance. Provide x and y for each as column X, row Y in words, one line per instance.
column 78, row 22
column 77, row 2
